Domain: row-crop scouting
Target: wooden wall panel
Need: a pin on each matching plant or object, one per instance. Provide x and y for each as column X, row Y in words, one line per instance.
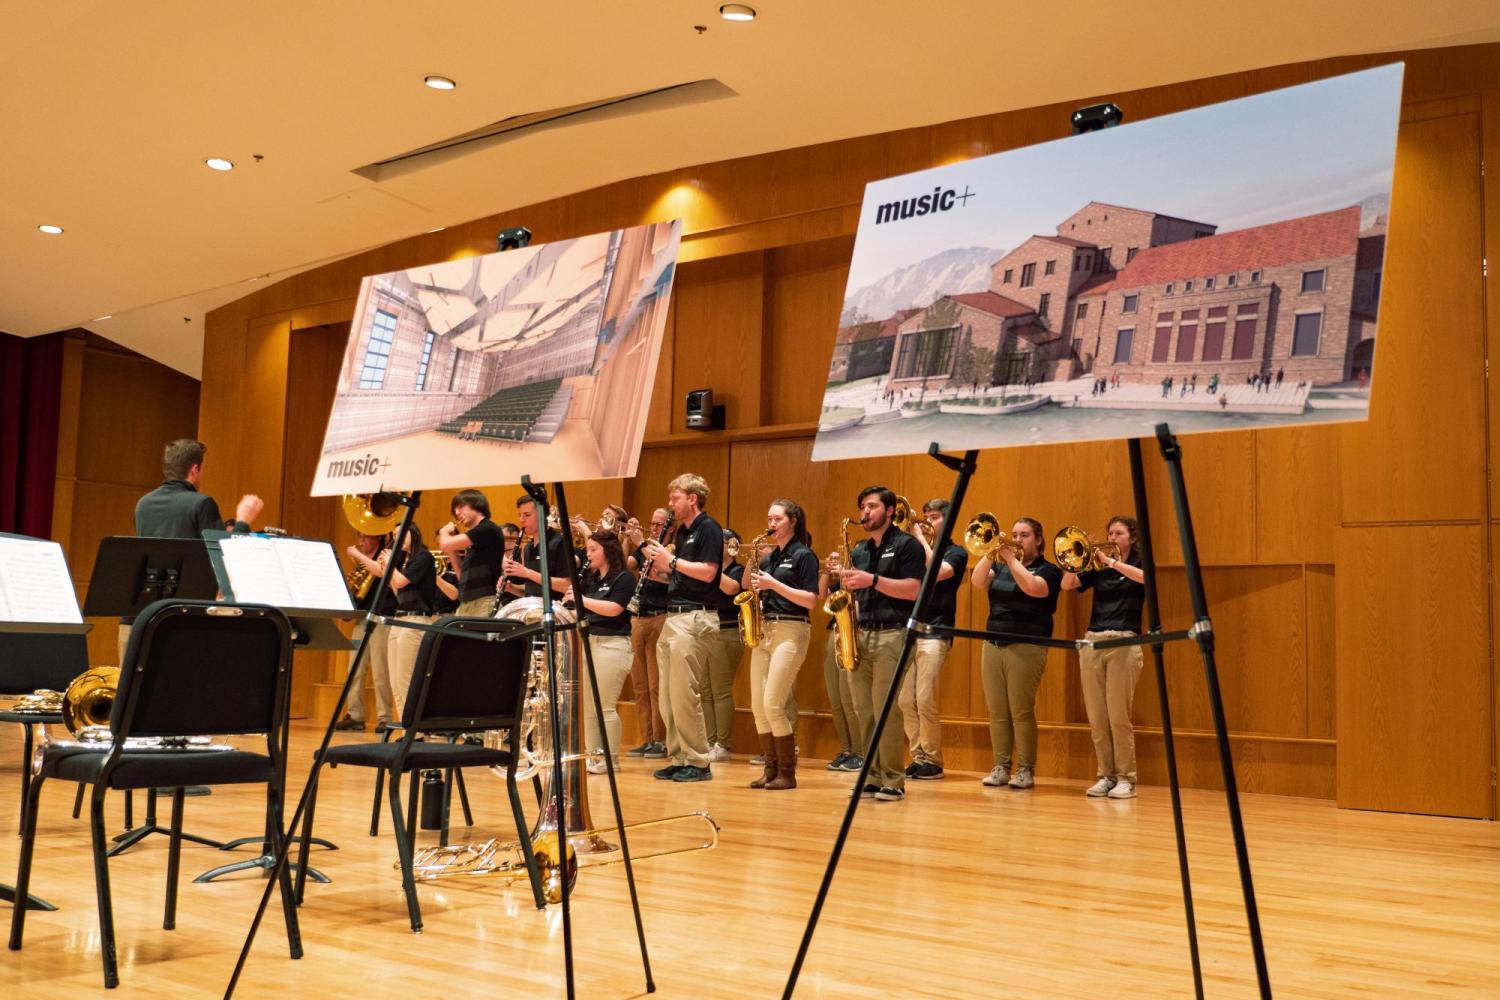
column 262, row 452
column 1425, row 395
column 1414, row 676
column 761, row 264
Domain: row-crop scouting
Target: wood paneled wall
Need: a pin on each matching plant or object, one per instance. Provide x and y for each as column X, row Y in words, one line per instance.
column 1348, row 567
column 118, row 410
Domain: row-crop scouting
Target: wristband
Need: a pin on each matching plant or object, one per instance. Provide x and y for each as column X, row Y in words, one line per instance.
column 874, row 579
column 672, row 566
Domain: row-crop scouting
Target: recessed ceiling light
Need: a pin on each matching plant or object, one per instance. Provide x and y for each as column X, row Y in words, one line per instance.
column 439, row 82
column 437, row 229
column 219, row 163
column 51, row 230
column 737, row 12
column 101, row 319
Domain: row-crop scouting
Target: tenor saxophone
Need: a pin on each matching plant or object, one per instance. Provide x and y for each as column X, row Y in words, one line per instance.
column 845, row 612
column 748, row 599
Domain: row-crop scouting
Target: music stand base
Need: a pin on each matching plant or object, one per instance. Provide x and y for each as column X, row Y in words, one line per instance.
column 8, row 895
column 128, row 839
column 266, row 861
column 235, row 845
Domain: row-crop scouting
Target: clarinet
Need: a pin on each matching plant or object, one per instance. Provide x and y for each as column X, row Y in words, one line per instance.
column 634, row 607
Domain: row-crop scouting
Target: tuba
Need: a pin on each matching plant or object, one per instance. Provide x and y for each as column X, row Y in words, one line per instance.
column 747, row 601
column 372, row 514
column 845, row 612
column 1076, row 552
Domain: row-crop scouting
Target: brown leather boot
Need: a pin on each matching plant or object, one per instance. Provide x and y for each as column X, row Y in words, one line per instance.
column 786, row 763
column 768, row 751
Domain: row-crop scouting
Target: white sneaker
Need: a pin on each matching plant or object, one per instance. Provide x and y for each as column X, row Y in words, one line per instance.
column 997, row 777
column 1122, row 790
column 1100, row 788
column 1022, row 779
column 596, row 765
column 718, row 753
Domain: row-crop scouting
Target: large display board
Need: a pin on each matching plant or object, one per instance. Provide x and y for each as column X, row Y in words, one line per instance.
column 535, row 361
column 1219, row 268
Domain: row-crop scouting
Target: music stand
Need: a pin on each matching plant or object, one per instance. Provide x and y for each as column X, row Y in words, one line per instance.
column 312, row 628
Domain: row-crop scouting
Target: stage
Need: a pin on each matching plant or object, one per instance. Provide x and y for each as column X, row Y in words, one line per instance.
column 959, row 891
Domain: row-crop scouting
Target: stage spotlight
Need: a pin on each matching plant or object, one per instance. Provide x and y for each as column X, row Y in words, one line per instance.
column 737, row 12
column 1096, row 117
column 513, row 239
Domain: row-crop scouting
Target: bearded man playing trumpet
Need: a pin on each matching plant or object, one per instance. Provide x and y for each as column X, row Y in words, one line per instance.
column 919, row 688
column 884, row 577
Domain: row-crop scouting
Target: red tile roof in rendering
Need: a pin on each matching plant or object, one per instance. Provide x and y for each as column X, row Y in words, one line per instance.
column 992, row 303
column 1311, row 237
column 887, row 327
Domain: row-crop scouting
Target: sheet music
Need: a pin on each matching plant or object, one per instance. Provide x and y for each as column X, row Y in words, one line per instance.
column 284, row 573
column 34, row 583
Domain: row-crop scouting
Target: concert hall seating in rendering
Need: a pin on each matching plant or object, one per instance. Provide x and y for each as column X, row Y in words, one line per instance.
column 510, row 414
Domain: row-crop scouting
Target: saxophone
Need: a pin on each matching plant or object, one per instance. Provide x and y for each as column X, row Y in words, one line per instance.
column 748, row 599
column 845, row 612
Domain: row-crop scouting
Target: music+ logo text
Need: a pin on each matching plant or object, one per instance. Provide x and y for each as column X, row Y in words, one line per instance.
column 940, row 200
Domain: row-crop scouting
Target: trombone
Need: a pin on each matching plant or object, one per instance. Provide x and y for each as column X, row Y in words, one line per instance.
column 904, row 519
column 1076, row 551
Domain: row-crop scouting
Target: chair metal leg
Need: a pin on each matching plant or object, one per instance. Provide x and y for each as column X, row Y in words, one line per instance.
column 101, row 883
column 288, row 900
column 379, row 796
column 27, row 740
column 524, row 834
column 174, row 861
column 463, row 797
column 129, row 812
column 411, row 805
column 78, row 800
column 447, row 804
column 404, row 852
column 23, row 870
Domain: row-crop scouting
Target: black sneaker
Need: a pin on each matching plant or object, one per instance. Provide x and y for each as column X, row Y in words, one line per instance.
column 926, row 771
column 913, row 768
column 656, row 751
column 668, row 773
column 639, row 751
column 347, row 723
column 688, row 772
column 869, row 791
column 381, row 726
column 854, row 763
column 889, row 794
column 837, row 764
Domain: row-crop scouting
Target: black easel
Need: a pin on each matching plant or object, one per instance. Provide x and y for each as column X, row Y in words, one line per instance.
column 1201, row 631
column 411, row 502
column 538, row 494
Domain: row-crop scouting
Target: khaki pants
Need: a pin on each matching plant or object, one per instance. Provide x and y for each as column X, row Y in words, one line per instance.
column 682, row 656
column 879, row 653
column 1109, row 677
column 718, row 698
column 773, row 674
column 1011, row 676
column 840, row 705
column 401, row 656
column 124, row 640
column 611, row 667
column 477, row 607
column 645, row 677
column 919, row 701
column 375, row 665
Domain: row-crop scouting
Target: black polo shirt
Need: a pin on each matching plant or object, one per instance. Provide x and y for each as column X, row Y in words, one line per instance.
column 559, row 552
column 797, row 567
column 898, row 557
column 729, row 612
column 387, row 599
column 442, row 604
column 1013, row 610
column 1117, row 599
column 942, row 606
column 420, row 593
column 618, row 589
column 703, row 542
column 481, row 566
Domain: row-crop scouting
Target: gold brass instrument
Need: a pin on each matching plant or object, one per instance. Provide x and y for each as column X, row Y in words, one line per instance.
column 904, row 518
column 373, row 514
column 841, row 606
column 1076, row 551
column 747, row 601
column 732, row 548
column 89, row 699
column 984, row 539
column 587, row 847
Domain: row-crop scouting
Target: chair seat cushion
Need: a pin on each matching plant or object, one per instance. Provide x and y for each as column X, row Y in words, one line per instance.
column 423, row 755
column 160, row 768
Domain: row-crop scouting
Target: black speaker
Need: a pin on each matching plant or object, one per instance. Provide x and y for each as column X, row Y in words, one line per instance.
column 702, row 414
column 513, row 239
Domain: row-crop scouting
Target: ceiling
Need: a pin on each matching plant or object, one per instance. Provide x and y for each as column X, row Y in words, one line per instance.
column 108, row 111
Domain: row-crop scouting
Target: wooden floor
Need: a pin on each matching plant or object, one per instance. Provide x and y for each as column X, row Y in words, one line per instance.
column 960, row 891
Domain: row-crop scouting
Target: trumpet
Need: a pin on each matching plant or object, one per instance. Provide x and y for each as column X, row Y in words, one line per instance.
column 1076, row 551
column 608, row 523
column 983, row 538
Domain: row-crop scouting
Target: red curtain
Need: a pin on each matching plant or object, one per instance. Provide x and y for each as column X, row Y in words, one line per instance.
column 30, row 395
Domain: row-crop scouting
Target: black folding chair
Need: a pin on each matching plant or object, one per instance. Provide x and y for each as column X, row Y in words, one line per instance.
column 192, row 668
column 459, row 685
